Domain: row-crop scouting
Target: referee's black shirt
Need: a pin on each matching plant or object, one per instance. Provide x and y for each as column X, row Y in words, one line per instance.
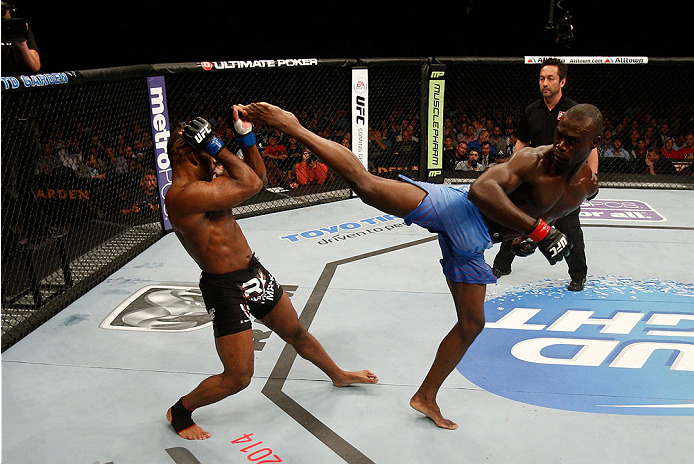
column 538, row 123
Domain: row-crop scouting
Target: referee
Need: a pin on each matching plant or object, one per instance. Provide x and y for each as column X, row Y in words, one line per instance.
column 536, row 127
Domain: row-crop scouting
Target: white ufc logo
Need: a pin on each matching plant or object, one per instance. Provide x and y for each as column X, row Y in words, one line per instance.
column 556, row 249
column 200, row 136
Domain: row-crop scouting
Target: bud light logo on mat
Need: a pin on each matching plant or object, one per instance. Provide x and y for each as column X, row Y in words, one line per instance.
column 621, row 346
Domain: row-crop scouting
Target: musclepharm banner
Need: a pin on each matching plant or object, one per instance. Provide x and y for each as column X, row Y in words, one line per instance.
column 159, row 113
column 360, row 114
column 437, row 86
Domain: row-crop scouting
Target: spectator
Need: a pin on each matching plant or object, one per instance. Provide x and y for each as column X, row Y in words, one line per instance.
column 120, row 163
column 276, row 177
column 606, row 142
column 668, row 149
column 501, row 157
column 664, row 132
column 379, row 148
column 468, row 135
column 90, row 169
column 20, row 55
column 472, row 163
column 449, row 128
column 310, row 170
column 223, row 132
column 144, row 201
column 481, row 138
column 49, row 160
column 487, row 154
column 640, row 151
column 687, row 152
column 449, row 152
column 680, row 142
column 498, row 139
column 294, row 151
column 278, row 153
column 459, row 155
column 616, row 151
column 406, row 151
column 634, row 137
column 656, row 164
column 70, row 154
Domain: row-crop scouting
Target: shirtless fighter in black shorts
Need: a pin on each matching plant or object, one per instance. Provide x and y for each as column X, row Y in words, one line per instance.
column 234, row 284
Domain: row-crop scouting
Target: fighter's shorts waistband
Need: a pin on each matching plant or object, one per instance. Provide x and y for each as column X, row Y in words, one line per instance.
column 252, row 264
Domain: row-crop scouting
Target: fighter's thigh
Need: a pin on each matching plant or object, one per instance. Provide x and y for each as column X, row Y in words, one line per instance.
column 391, row 196
column 283, row 319
column 236, row 351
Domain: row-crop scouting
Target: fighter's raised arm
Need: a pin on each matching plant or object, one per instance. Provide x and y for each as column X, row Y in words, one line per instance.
column 245, row 138
column 200, row 192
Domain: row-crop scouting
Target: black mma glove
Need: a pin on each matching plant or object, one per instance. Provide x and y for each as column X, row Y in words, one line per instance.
column 523, row 247
column 199, row 134
column 552, row 243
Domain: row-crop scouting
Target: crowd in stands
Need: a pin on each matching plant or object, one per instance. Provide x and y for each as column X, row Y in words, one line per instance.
column 118, row 168
column 638, row 144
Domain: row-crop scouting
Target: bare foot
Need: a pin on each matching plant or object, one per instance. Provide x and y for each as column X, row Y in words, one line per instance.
column 433, row 412
column 195, row 432
column 348, row 378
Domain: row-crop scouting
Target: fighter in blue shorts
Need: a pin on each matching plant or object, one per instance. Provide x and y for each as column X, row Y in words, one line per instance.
column 518, row 198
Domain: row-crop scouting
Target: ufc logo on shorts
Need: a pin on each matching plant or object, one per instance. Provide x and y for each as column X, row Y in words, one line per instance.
column 556, row 249
column 200, row 136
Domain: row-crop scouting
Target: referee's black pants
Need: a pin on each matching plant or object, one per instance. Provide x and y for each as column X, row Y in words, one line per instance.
column 570, row 226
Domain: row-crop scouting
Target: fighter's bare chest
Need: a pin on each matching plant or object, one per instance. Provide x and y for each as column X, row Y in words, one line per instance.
column 549, row 199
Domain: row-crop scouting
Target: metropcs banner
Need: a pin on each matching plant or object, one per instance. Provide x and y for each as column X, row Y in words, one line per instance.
column 360, row 115
column 159, row 113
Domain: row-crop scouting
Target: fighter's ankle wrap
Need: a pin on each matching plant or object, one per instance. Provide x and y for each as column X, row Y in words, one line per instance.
column 540, row 231
column 181, row 418
column 214, row 147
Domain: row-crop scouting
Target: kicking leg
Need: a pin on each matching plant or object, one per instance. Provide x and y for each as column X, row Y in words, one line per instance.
column 469, row 305
column 283, row 320
column 236, row 354
column 388, row 195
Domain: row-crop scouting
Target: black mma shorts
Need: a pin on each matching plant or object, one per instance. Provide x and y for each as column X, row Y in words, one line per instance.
column 232, row 298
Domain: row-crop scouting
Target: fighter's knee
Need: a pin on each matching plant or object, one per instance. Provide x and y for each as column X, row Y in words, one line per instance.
column 471, row 327
column 297, row 336
column 236, row 381
column 367, row 188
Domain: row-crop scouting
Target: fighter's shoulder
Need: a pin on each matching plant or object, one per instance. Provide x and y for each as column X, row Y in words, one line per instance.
column 587, row 180
column 530, row 155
